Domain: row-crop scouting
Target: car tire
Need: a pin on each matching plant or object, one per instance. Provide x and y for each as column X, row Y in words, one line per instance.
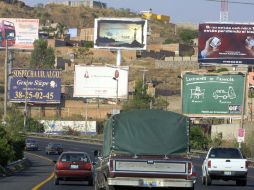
column 90, row 182
column 241, row 182
column 56, row 182
column 110, row 187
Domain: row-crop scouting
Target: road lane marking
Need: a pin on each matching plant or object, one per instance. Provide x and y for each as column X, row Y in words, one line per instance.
column 39, row 185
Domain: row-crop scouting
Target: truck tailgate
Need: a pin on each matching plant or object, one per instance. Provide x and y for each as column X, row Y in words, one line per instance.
column 228, row 164
column 151, row 166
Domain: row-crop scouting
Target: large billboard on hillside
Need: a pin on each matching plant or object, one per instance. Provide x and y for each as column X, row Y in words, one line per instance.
column 213, row 95
column 120, row 33
column 101, row 82
column 18, row 33
column 226, row 43
column 37, row 86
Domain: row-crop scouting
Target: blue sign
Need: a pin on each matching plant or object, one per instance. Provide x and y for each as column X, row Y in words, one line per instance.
column 38, row 86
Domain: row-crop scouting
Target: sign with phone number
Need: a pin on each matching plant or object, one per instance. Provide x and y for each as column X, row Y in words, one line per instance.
column 37, row 86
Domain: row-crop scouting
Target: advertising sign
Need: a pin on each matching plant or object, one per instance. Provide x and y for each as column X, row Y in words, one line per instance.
column 100, row 82
column 18, row 33
column 209, row 95
column 38, row 86
column 120, row 33
column 226, row 43
column 59, row 127
column 241, row 135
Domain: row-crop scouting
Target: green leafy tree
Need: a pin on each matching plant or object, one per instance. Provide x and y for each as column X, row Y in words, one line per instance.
column 198, row 139
column 187, row 35
column 141, row 100
column 42, row 55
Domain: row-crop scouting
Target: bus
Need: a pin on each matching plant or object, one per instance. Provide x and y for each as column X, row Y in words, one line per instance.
column 7, row 32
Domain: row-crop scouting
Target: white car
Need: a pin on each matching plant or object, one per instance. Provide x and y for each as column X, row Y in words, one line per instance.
column 226, row 164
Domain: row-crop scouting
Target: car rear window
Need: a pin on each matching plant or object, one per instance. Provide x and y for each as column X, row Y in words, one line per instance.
column 74, row 158
column 227, row 153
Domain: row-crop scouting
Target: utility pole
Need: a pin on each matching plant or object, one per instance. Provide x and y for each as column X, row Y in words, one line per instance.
column 143, row 82
column 5, row 81
column 25, row 109
column 224, row 11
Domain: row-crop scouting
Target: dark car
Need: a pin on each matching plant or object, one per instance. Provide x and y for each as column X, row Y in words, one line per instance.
column 31, row 145
column 54, row 148
column 74, row 166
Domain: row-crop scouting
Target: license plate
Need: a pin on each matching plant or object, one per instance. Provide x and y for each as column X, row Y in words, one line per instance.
column 150, row 183
column 74, row 166
column 227, row 173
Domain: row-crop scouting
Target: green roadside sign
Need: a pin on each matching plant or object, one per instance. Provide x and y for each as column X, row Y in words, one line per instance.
column 213, row 94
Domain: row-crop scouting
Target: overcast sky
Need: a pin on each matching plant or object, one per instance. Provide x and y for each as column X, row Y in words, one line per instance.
column 183, row 11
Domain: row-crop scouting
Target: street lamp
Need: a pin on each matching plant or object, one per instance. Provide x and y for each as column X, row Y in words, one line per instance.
column 25, row 109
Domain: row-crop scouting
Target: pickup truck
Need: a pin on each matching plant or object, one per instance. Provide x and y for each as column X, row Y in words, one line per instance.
column 145, row 148
column 226, row 164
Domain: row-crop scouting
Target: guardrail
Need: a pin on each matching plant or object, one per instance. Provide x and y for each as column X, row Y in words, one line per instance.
column 67, row 137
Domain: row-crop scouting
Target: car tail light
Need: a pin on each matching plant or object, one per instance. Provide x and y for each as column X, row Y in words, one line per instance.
column 88, row 166
column 209, row 163
column 59, row 166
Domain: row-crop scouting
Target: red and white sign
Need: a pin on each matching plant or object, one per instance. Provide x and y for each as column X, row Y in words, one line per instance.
column 241, row 135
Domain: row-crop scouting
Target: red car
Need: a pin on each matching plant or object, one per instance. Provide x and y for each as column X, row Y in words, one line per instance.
column 74, row 166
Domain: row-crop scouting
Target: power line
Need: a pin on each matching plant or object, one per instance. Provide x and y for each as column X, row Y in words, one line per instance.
column 233, row 2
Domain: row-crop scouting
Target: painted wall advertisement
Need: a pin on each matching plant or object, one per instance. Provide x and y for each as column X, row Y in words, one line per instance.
column 226, row 43
column 120, row 33
column 38, row 86
column 19, row 33
column 213, row 94
column 101, row 82
column 59, row 127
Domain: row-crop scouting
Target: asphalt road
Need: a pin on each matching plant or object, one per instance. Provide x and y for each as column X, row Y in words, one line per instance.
column 39, row 175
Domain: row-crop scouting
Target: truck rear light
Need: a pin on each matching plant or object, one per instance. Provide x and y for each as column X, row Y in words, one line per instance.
column 194, row 174
column 189, row 167
column 111, row 165
column 246, row 164
column 209, row 164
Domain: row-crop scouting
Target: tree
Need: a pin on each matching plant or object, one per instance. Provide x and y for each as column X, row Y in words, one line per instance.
column 141, row 100
column 42, row 55
column 187, row 35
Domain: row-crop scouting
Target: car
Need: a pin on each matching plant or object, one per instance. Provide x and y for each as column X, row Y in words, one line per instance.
column 31, row 145
column 54, row 148
column 226, row 164
column 72, row 166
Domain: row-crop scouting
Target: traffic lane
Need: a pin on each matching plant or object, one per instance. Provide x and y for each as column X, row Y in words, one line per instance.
column 67, row 146
column 220, row 184
column 39, row 170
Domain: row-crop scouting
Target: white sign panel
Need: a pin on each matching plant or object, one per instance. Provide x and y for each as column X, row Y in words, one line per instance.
column 18, row 33
column 101, row 82
column 241, row 135
column 58, row 127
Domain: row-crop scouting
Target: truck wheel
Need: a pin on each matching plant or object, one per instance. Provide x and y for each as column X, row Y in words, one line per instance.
column 109, row 187
column 90, row 182
column 208, row 180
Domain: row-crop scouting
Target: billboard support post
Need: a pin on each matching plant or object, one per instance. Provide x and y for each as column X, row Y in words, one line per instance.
column 118, row 57
column 5, row 80
column 25, row 109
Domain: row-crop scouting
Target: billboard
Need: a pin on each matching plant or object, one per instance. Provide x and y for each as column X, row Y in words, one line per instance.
column 208, row 95
column 120, row 33
column 18, row 33
column 101, row 82
column 59, row 127
column 226, row 43
column 37, row 86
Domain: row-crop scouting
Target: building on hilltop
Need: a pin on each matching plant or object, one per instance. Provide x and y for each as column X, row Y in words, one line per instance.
column 149, row 15
column 78, row 3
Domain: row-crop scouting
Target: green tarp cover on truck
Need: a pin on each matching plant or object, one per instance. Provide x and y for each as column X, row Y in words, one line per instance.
column 146, row 132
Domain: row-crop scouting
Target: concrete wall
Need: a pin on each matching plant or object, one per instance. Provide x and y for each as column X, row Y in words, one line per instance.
column 228, row 131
